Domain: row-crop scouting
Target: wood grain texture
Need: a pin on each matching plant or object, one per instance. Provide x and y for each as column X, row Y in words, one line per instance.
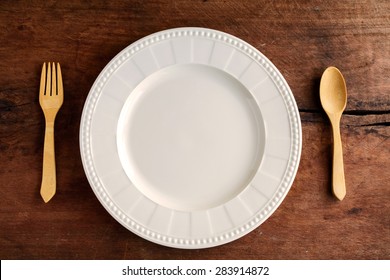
column 301, row 38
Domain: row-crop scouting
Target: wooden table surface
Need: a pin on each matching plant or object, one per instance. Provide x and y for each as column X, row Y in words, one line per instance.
column 301, row 38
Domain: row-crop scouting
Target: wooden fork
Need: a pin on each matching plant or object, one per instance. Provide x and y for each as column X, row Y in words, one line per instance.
column 51, row 97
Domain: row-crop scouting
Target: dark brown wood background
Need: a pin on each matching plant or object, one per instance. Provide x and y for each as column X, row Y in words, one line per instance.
column 301, row 38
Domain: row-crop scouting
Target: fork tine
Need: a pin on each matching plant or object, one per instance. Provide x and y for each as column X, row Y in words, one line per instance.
column 43, row 78
column 59, row 80
column 53, row 81
column 48, row 80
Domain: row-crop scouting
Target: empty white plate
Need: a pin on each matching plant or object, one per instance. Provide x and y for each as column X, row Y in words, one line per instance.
column 190, row 138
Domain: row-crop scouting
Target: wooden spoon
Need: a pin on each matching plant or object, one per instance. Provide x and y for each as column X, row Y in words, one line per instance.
column 333, row 95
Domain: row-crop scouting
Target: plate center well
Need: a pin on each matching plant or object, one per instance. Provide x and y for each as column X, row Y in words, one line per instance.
column 190, row 137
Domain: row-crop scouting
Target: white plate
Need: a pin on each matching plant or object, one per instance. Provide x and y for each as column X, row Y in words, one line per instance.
column 190, row 138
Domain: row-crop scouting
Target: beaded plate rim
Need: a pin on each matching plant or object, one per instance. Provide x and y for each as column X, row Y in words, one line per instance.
column 259, row 217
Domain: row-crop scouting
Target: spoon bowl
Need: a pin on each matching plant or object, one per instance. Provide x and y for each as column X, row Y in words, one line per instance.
column 333, row 95
column 333, row 91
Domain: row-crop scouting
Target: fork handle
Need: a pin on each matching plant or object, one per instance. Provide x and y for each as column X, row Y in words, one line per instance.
column 48, row 186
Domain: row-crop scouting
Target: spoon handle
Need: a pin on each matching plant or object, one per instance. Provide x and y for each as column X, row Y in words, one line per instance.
column 338, row 179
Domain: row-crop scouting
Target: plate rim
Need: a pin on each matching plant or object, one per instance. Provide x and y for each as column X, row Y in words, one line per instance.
column 283, row 89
